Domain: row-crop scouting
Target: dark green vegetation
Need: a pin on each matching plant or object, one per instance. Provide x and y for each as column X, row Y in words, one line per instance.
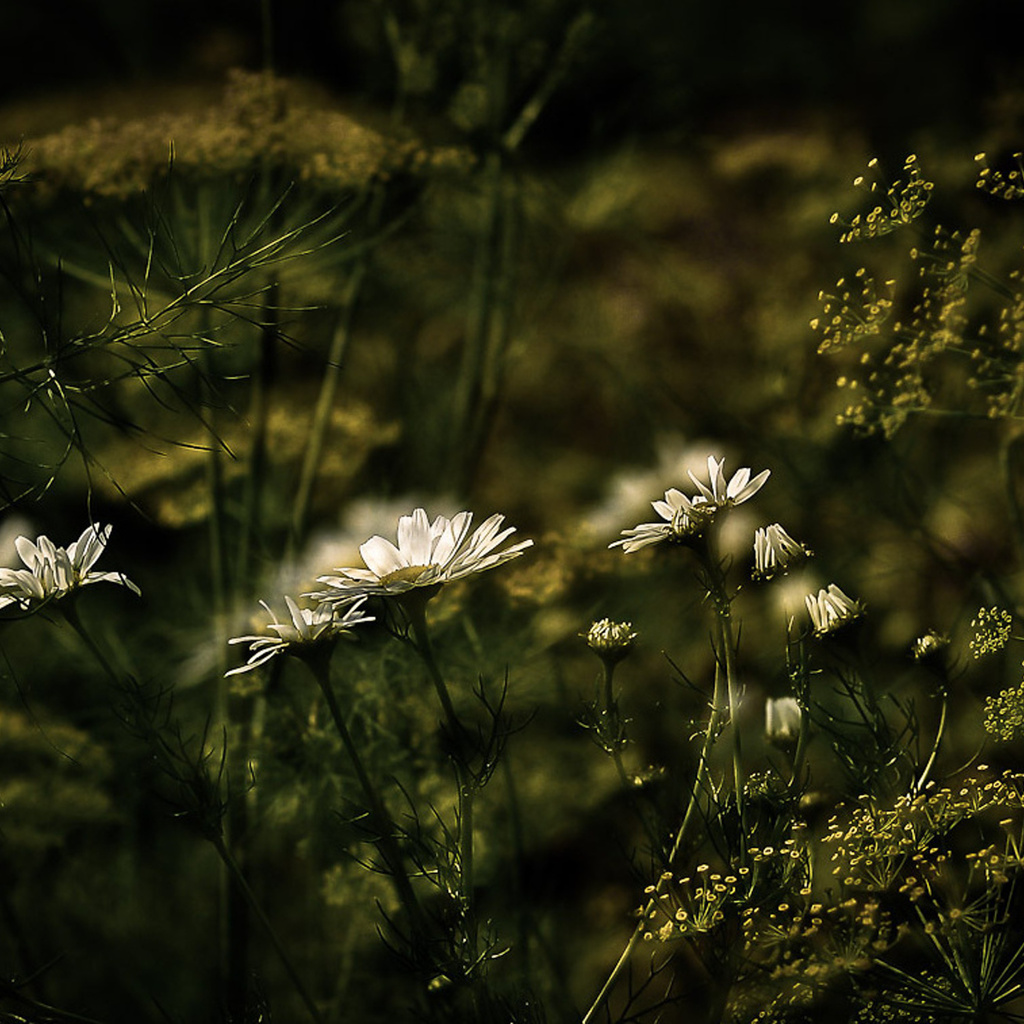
column 540, row 264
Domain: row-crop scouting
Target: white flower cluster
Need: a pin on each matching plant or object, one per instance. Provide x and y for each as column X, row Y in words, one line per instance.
column 775, row 551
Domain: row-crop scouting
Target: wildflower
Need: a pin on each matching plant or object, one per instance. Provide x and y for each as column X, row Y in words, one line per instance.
column 428, row 555
column 738, row 490
column 782, row 719
column 611, row 641
column 829, row 609
column 310, row 629
column 991, row 631
column 775, row 551
column 686, row 517
column 1004, row 714
column 52, row 572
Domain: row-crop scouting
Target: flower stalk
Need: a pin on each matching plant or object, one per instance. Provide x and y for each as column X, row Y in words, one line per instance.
column 459, row 755
column 382, row 821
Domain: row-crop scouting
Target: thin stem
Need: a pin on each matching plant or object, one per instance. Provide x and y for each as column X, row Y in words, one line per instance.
column 719, row 593
column 799, row 754
column 70, row 612
column 939, row 735
column 418, row 621
column 8, row 990
column 240, row 880
column 382, row 821
column 611, row 713
column 459, row 757
column 328, row 391
column 701, row 778
column 259, row 405
column 616, row 740
column 732, row 687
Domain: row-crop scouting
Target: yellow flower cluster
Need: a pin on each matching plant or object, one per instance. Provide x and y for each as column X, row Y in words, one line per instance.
column 1004, row 713
column 996, row 183
column 848, row 318
column 903, row 203
column 262, row 121
column 900, row 848
column 991, row 631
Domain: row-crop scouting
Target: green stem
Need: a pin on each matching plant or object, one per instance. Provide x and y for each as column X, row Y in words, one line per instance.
column 254, row 904
column 616, row 740
column 259, row 404
column 939, row 735
column 328, row 392
column 418, row 620
column 382, row 821
column 8, row 990
column 727, row 656
column 701, row 779
column 459, row 757
column 799, row 753
column 70, row 612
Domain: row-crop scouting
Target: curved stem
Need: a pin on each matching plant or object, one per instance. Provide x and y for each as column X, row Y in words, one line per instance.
column 382, row 821
column 459, row 757
column 939, row 735
column 701, row 778
column 616, row 739
column 421, row 637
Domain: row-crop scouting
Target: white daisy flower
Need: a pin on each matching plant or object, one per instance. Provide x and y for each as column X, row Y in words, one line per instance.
column 774, row 551
column 782, row 718
column 829, row 609
column 427, row 555
column 309, row 628
column 738, row 490
column 684, row 517
column 52, row 572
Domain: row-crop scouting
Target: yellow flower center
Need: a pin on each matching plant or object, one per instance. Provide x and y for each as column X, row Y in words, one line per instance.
column 407, row 574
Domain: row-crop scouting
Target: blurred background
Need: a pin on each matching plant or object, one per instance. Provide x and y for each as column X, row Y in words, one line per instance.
column 540, row 259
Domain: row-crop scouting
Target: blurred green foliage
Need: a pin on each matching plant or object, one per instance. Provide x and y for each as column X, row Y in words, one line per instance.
column 542, row 260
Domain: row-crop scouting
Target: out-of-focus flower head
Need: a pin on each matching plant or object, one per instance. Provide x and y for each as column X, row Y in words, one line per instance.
column 782, row 719
column 929, row 645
